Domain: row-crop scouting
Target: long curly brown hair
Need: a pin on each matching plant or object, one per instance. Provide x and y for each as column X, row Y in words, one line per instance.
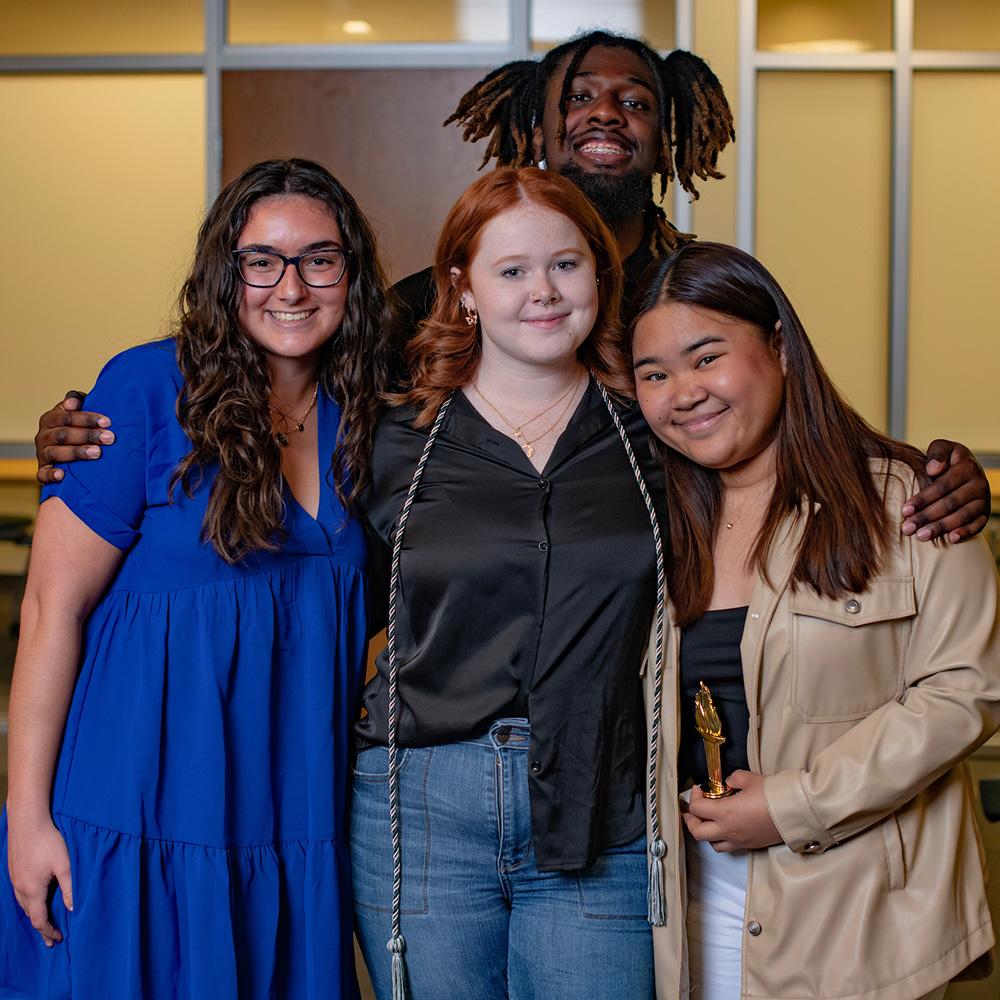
column 445, row 354
column 223, row 407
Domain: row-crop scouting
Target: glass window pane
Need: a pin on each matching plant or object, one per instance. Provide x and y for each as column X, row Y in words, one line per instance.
column 553, row 21
column 824, row 25
column 340, row 22
column 102, row 27
column 107, row 173
column 954, row 293
column 958, row 24
column 823, row 181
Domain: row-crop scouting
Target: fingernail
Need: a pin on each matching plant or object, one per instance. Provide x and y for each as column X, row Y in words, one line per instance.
column 103, row 422
column 93, row 453
column 908, row 527
column 923, row 534
column 908, row 510
column 58, row 474
column 48, row 944
column 107, row 437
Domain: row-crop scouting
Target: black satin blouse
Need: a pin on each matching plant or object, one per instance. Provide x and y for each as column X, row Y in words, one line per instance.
column 525, row 594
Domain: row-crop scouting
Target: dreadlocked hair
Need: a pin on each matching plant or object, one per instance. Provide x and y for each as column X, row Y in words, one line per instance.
column 223, row 406
column 700, row 125
column 501, row 107
column 696, row 123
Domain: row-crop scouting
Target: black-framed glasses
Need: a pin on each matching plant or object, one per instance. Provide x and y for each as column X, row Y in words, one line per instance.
column 318, row 268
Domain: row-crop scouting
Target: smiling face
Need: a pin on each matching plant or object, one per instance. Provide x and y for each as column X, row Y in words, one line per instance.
column 292, row 319
column 709, row 385
column 533, row 282
column 612, row 116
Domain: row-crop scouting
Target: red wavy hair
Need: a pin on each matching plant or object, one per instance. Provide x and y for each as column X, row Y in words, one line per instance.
column 444, row 354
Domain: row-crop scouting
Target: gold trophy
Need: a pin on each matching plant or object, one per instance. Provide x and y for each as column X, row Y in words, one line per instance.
column 706, row 721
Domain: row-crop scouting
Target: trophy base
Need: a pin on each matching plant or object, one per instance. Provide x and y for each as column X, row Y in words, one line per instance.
column 716, row 792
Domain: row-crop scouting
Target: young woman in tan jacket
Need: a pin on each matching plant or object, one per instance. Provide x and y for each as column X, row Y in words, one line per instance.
column 852, row 669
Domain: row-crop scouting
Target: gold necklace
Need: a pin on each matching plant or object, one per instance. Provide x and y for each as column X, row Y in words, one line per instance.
column 746, row 506
column 518, row 433
column 528, row 448
column 281, row 436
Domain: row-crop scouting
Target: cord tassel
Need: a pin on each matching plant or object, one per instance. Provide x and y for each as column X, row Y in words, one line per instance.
column 655, row 897
column 656, row 900
column 397, row 946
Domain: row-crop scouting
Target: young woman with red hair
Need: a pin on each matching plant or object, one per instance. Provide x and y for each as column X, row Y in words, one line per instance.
column 498, row 839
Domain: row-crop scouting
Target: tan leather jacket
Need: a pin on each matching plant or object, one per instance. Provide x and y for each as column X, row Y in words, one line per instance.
column 862, row 710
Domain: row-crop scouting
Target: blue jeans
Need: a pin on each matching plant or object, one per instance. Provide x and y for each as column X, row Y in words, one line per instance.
column 480, row 921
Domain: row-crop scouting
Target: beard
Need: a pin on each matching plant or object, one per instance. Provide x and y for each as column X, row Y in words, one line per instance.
column 616, row 196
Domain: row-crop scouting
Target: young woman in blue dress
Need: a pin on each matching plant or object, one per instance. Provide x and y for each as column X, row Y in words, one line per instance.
column 193, row 632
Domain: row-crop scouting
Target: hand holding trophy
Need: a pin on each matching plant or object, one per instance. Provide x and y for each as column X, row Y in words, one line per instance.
column 706, row 721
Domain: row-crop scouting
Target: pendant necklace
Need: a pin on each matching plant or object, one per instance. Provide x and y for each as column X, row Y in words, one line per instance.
column 295, row 424
column 528, row 446
column 729, row 524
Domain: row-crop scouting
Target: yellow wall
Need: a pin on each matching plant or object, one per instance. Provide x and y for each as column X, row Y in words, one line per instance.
column 804, row 25
column 823, row 179
column 293, row 22
column 104, row 197
column 716, row 40
column 74, row 27
column 954, row 364
column 956, row 24
column 317, row 22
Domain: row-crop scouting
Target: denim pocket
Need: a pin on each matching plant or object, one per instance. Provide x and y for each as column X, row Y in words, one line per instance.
column 372, row 763
column 614, row 887
column 371, row 840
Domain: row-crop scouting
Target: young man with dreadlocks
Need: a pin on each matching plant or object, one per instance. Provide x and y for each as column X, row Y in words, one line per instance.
column 609, row 113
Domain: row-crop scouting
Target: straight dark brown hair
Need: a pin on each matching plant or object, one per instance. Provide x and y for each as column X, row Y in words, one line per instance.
column 825, row 449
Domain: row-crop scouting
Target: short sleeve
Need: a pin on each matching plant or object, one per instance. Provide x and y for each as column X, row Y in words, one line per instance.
column 110, row 495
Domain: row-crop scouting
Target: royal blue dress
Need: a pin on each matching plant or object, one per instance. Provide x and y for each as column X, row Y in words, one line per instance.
column 201, row 784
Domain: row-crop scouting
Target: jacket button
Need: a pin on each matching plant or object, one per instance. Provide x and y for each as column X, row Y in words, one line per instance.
column 853, row 606
column 812, row 847
column 543, row 546
column 536, row 766
column 754, row 928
